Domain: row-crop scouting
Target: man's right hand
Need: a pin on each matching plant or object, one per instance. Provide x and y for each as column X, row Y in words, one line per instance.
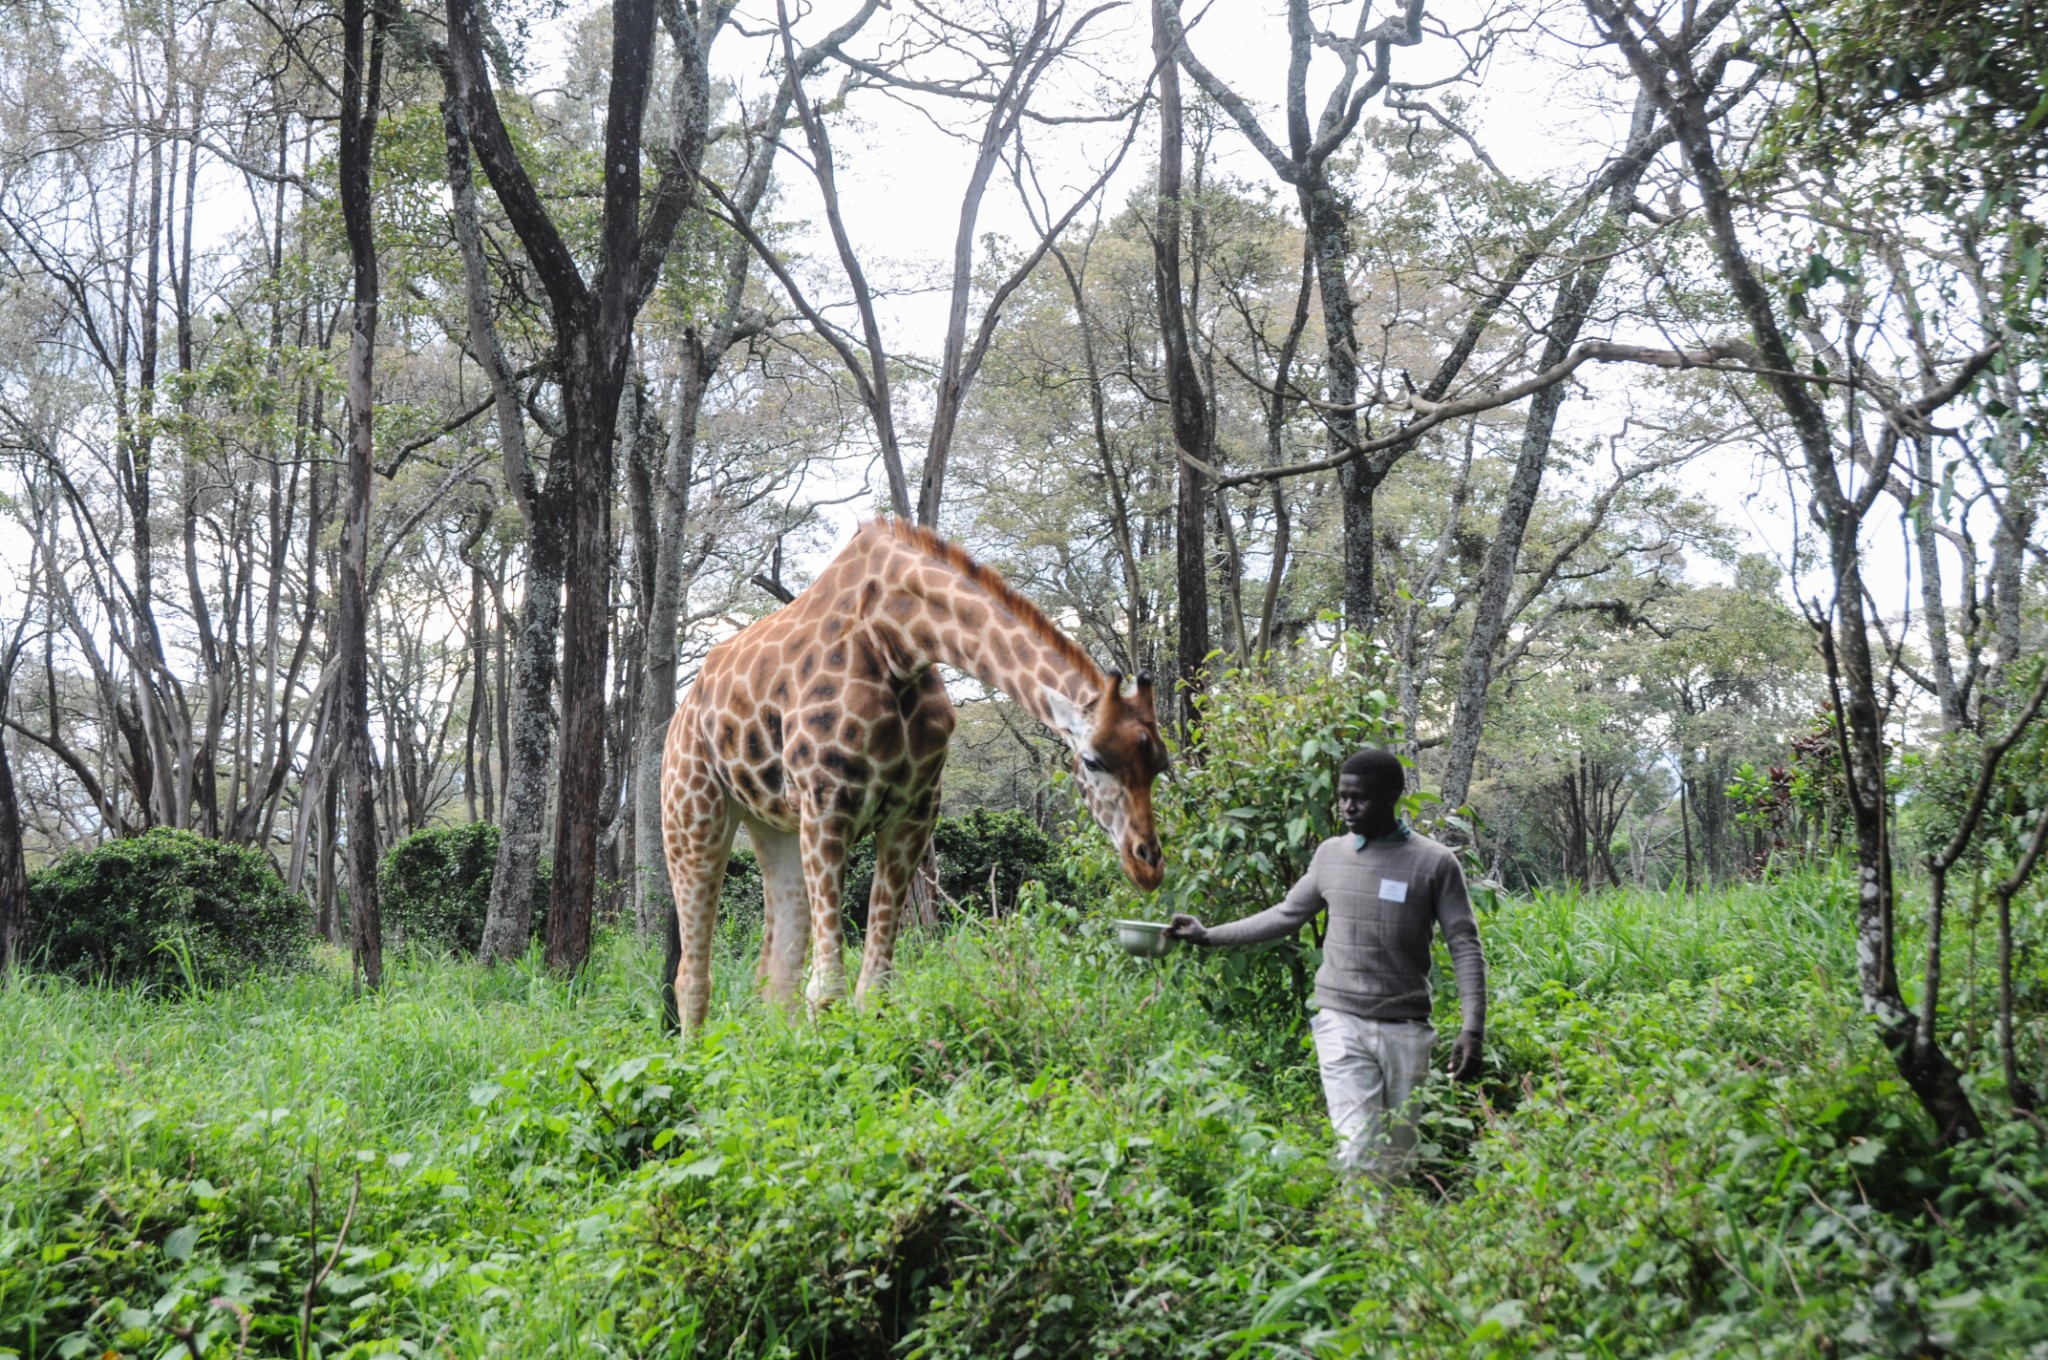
column 1186, row 927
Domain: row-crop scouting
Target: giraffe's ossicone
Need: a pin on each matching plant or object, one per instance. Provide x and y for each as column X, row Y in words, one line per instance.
column 827, row 720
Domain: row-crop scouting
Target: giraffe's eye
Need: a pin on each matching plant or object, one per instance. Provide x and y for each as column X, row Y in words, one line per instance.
column 1089, row 759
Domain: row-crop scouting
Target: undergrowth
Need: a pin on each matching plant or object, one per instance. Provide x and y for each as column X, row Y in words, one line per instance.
column 1686, row 1144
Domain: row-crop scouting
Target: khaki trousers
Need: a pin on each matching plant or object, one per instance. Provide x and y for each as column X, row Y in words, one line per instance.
column 1369, row 1068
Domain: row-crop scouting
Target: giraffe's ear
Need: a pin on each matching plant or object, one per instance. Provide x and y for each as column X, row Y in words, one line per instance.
column 1068, row 718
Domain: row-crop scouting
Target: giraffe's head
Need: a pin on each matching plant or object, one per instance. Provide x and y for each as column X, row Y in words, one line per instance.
column 1117, row 755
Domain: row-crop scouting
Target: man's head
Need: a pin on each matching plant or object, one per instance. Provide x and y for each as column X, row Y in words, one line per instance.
column 1369, row 788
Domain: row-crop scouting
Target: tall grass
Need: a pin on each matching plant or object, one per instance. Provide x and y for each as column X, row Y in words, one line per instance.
column 1639, row 939
column 1686, row 1144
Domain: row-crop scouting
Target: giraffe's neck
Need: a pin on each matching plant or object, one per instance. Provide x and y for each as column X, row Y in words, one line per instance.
column 965, row 618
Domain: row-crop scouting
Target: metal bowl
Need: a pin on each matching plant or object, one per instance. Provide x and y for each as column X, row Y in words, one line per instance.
column 1144, row 939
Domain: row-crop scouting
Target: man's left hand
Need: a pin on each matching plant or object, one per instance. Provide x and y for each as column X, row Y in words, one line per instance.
column 1466, row 1052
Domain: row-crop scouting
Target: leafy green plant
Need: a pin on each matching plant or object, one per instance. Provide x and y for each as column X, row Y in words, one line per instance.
column 168, row 909
column 970, row 848
column 1799, row 807
column 1008, row 845
column 740, row 900
column 434, row 887
column 1241, row 817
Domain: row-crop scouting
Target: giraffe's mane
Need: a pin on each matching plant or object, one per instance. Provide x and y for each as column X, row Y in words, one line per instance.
column 1008, row 596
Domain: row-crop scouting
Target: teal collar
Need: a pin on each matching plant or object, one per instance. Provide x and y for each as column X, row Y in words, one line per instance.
column 1395, row 837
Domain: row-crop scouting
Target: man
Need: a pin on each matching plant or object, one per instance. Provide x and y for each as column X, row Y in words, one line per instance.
column 1385, row 888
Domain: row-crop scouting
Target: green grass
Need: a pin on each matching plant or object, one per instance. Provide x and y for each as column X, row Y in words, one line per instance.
column 1686, row 1145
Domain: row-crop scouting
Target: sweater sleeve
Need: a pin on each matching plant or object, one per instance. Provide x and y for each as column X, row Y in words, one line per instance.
column 1284, row 917
column 1461, row 933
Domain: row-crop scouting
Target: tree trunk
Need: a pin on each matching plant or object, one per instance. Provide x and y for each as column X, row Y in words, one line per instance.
column 592, row 383
column 529, row 748
column 361, row 78
column 477, row 723
column 1710, row 811
column 1185, row 406
column 652, row 903
column 1576, row 864
column 1685, row 824
column 2012, row 533
column 1933, row 609
column 1357, row 481
column 13, row 873
column 1574, row 302
column 1926, row 1068
column 631, row 717
column 327, row 896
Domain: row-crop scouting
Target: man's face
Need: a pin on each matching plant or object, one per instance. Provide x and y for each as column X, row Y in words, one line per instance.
column 1362, row 810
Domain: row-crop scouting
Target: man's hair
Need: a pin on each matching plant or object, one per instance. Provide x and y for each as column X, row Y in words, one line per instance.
column 1380, row 771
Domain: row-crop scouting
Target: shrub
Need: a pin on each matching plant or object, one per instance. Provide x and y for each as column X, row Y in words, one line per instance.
column 740, row 901
column 968, row 848
column 162, row 908
column 434, row 887
column 1010, row 844
column 1241, row 819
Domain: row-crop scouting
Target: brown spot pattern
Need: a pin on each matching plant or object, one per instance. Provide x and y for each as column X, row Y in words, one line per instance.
column 826, row 721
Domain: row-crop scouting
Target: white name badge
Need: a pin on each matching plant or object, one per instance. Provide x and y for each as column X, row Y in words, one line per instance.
column 1393, row 890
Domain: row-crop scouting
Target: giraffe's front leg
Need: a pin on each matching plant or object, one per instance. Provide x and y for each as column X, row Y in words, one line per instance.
column 899, row 851
column 823, row 843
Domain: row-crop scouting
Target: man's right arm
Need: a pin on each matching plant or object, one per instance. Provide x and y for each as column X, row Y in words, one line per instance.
column 1284, row 917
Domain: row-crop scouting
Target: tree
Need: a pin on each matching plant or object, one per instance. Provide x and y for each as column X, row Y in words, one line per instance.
column 1306, row 164
column 593, row 329
column 13, row 870
column 362, row 82
column 1685, row 95
column 1187, row 410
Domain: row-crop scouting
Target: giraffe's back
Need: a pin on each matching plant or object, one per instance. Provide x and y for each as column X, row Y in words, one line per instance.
column 818, row 701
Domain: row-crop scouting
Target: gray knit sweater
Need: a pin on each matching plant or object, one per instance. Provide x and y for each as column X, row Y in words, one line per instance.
column 1384, row 899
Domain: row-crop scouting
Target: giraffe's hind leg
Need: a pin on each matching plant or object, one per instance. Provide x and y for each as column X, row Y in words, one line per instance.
column 785, row 927
column 698, row 824
column 899, row 851
column 822, row 840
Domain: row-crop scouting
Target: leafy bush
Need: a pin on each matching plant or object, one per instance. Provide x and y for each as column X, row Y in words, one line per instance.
column 164, row 908
column 1798, row 808
column 1248, row 806
column 969, row 848
column 1242, row 817
column 434, row 887
column 740, row 902
column 1010, row 844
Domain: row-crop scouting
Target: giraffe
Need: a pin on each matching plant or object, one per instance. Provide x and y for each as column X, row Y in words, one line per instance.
column 827, row 720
